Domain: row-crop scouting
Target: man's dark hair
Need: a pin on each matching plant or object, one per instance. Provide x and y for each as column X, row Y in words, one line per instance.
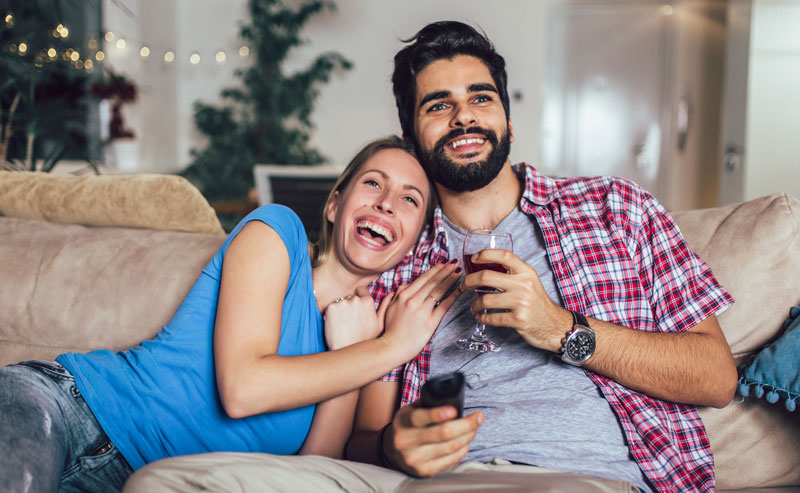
column 444, row 39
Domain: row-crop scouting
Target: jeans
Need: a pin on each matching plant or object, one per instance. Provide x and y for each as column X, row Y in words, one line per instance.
column 49, row 438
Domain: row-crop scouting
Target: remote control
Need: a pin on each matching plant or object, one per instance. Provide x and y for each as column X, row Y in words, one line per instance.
column 444, row 390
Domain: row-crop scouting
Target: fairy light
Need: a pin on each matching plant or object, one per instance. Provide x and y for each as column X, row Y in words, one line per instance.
column 109, row 36
column 220, row 56
column 92, row 44
column 100, row 56
column 244, row 51
column 9, row 21
column 144, row 52
column 195, row 58
column 51, row 52
column 169, row 57
column 23, row 48
column 12, row 47
column 88, row 65
column 74, row 56
column 121, row 43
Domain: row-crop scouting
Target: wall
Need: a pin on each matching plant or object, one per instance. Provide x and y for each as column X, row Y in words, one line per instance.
column 772, row 148
column 353, row 108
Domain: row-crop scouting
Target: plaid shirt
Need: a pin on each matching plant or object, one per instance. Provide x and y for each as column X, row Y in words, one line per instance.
column 617, row 256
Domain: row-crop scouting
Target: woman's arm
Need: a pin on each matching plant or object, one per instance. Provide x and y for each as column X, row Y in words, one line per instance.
column 253, row 379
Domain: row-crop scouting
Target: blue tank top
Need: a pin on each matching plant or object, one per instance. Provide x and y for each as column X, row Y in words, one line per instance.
column 160, row 398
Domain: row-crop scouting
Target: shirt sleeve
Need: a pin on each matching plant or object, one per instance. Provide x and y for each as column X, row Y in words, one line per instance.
column 683, row 291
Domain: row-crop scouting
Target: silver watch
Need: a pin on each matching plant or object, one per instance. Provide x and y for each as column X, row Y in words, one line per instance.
column 580, row 343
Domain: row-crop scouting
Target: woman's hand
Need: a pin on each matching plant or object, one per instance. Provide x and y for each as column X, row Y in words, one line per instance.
column 417, row 308
column 353, row 319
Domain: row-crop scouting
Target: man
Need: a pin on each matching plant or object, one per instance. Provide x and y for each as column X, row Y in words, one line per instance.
column 595, row 258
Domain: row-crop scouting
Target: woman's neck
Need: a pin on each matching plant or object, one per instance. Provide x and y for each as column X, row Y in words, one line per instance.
column 333, row 281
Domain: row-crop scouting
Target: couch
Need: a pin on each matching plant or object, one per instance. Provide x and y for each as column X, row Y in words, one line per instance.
column 102, row 262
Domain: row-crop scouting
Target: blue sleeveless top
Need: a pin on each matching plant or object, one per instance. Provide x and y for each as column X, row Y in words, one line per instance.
column 160, row 398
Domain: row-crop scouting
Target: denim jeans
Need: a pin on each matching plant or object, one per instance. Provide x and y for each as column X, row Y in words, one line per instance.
column 49, row 438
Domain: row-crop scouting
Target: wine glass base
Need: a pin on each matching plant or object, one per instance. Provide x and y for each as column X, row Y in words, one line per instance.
column 484, row 346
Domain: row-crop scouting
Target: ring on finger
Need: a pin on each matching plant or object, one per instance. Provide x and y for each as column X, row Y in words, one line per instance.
column 338, row 300
column 434, row 300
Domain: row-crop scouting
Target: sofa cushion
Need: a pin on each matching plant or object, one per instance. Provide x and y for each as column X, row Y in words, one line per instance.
column 139, row 201
column 752, row 248
column 67, row 287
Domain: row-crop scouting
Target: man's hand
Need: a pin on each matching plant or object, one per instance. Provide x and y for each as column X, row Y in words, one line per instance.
column 423, row 442
column 526, row 306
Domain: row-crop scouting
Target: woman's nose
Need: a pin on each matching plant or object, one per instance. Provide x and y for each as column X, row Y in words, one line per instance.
column 384, row 204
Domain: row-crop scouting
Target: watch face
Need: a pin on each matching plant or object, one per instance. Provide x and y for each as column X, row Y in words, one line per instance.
column 580, row 346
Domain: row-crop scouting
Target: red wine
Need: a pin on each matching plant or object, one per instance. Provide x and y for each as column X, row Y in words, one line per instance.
column 471, row 267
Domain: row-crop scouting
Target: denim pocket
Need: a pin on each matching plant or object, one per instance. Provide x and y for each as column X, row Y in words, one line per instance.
column 52, row 369
column 107, row 471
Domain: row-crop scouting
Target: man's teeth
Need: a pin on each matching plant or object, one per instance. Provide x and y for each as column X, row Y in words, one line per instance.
column 461, row 142
column 376, row 229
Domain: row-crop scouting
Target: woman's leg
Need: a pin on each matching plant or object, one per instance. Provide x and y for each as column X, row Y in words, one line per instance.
column 53, row 441
column 32, row 431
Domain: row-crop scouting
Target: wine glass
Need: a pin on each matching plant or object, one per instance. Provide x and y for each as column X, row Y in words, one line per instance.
column 477, row 240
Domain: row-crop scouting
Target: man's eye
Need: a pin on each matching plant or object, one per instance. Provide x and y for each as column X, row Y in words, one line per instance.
column 436, row 107
column 482, row 98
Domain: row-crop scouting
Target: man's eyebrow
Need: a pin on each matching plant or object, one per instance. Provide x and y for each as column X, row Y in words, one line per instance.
column 482, row 87
column 433, row 95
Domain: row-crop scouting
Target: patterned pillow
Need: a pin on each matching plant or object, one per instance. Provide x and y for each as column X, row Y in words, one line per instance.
column 776, row 368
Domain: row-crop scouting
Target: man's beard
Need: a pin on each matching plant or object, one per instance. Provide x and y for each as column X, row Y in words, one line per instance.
column 465, row 177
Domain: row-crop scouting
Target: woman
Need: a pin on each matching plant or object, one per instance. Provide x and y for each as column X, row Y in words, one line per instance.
column 243, row 361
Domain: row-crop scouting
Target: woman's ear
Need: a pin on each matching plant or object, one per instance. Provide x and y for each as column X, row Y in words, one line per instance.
column 333, row 206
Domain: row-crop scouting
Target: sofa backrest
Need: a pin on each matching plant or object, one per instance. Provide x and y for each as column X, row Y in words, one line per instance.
column 68, row 287
column 753, row 249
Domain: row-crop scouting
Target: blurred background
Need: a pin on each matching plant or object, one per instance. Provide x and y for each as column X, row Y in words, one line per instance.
column 695, row 100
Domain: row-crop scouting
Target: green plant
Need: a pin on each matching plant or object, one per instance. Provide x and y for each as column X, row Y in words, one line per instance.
column 267, row 120
column 43, row 104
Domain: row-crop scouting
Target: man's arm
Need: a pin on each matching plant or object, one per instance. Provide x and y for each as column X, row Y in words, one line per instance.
column 691, row 367
column 420, row 442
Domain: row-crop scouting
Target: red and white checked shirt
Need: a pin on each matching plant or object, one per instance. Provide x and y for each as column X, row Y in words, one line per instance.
column 616, row 256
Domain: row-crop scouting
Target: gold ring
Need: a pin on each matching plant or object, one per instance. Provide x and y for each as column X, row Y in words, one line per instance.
column 434, row 300
column 338, row 300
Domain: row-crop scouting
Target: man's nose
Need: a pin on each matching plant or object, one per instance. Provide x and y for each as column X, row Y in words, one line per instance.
column 464, row 116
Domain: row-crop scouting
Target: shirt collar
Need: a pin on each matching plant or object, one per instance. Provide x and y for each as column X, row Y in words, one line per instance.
column 540, row 190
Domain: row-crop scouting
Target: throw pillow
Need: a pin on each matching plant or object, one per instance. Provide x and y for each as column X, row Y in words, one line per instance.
column 776, row 368
column 139, row 201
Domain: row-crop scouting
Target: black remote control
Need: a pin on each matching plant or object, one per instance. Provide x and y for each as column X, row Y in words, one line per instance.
column 444, row 390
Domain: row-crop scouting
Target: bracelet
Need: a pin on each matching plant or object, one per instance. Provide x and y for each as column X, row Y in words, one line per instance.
column 382, row 459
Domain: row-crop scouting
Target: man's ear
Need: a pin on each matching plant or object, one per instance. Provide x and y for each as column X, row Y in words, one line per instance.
column 510, row 131
column 333, row 206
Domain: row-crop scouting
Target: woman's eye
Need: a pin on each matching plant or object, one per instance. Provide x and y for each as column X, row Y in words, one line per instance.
column 372, row 183
column 412, row 200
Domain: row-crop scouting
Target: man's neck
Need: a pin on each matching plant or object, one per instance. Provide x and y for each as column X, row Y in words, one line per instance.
column 486, row 207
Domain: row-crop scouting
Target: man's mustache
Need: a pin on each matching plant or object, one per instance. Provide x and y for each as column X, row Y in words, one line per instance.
column 458, row 132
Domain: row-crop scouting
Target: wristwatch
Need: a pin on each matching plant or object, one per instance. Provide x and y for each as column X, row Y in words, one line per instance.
column 579, row 344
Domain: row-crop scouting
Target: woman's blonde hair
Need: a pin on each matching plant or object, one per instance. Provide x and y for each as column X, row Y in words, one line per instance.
column 322, row 247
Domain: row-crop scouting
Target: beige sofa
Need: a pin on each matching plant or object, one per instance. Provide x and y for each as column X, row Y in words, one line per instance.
column 73, row 287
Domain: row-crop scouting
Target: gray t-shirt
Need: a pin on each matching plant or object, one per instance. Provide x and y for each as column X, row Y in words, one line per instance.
column 539, row 410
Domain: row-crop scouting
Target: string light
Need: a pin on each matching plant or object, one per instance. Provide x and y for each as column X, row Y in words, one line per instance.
column 96, row 55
